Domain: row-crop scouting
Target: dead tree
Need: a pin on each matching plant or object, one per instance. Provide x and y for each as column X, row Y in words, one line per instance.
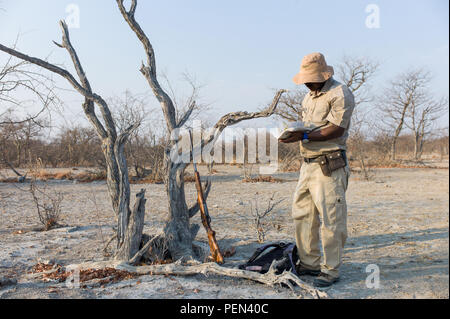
column 423, row 113
column 356, row 73
column 397, row 100
column 129, row 221
column 178, row 229
column 17, row 78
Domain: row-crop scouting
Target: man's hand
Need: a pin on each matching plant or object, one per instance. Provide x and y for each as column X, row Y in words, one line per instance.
column 327, row 133
column 294, row 137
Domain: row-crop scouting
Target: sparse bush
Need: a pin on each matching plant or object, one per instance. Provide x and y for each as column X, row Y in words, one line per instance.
column 259, row 218
column 48, row 206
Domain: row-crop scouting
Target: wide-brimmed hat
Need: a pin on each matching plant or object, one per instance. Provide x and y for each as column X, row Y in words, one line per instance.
column 314, row 69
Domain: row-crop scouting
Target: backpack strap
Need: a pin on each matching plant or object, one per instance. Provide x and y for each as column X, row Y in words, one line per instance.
column 291, row 252
column 261, row 249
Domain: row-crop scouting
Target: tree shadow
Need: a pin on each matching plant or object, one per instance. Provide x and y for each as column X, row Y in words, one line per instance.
column 359, row 243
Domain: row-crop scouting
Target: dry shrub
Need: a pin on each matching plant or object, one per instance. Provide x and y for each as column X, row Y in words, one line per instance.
column 153, row 175
column 289, row 157
column 158, row 253
column 48, row 205
column 87, row 177
column 292, row 166
column 42, row 175
column 234, row 163
column 83, row 177
column 189, row 179
column 146, row 180
column 45, row 175
column 261, row 218
column 64, row 175
column 400, row 165
column 8, row 180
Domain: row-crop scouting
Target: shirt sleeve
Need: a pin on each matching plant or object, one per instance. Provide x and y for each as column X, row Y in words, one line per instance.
column 341, row 109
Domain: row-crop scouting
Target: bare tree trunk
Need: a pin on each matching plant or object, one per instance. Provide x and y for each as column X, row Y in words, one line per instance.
column 416, row 146
column 363, row 167
column 177, row 228
column 393, row 146
column 395, row 138
column 132, row 236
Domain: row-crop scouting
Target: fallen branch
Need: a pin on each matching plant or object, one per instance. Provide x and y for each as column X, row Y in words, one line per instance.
column 21, row 178
column 270, row 278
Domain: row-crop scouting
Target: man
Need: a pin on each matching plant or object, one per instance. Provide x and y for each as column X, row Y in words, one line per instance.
column 319, row 199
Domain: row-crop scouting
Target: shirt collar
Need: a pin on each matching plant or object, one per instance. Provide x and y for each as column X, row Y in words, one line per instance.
column 326, row 87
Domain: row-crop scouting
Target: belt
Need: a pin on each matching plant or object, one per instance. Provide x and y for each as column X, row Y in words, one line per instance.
column 311, row 160
column 317, row 160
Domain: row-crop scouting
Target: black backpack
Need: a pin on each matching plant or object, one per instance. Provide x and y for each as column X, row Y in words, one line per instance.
column 284, row 255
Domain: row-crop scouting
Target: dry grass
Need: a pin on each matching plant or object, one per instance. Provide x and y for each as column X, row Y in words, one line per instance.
column 64, row 175
column 400, row 165
column 87, row 177
column 189, row 179
column 58, row 273
column 8, row 180
column 42, row 175
column 146, row 180
column 83, row 177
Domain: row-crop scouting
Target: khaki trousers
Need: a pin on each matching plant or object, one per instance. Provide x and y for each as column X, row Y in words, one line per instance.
column 321, row 198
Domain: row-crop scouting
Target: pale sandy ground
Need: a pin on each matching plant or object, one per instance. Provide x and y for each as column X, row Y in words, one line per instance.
column 397, row 221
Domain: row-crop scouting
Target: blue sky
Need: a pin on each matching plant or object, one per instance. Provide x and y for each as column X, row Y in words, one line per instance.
column 240, row 50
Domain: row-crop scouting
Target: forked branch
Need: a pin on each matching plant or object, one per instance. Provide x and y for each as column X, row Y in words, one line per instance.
column 148, row 69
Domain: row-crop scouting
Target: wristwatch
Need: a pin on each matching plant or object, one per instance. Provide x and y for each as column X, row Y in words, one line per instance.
column 305, row 137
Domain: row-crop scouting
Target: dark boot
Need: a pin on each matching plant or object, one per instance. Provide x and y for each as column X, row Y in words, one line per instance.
column 302, row 271
column 325, row 280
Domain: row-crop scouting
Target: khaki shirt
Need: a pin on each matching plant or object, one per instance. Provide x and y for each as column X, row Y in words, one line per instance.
column 333, row 104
